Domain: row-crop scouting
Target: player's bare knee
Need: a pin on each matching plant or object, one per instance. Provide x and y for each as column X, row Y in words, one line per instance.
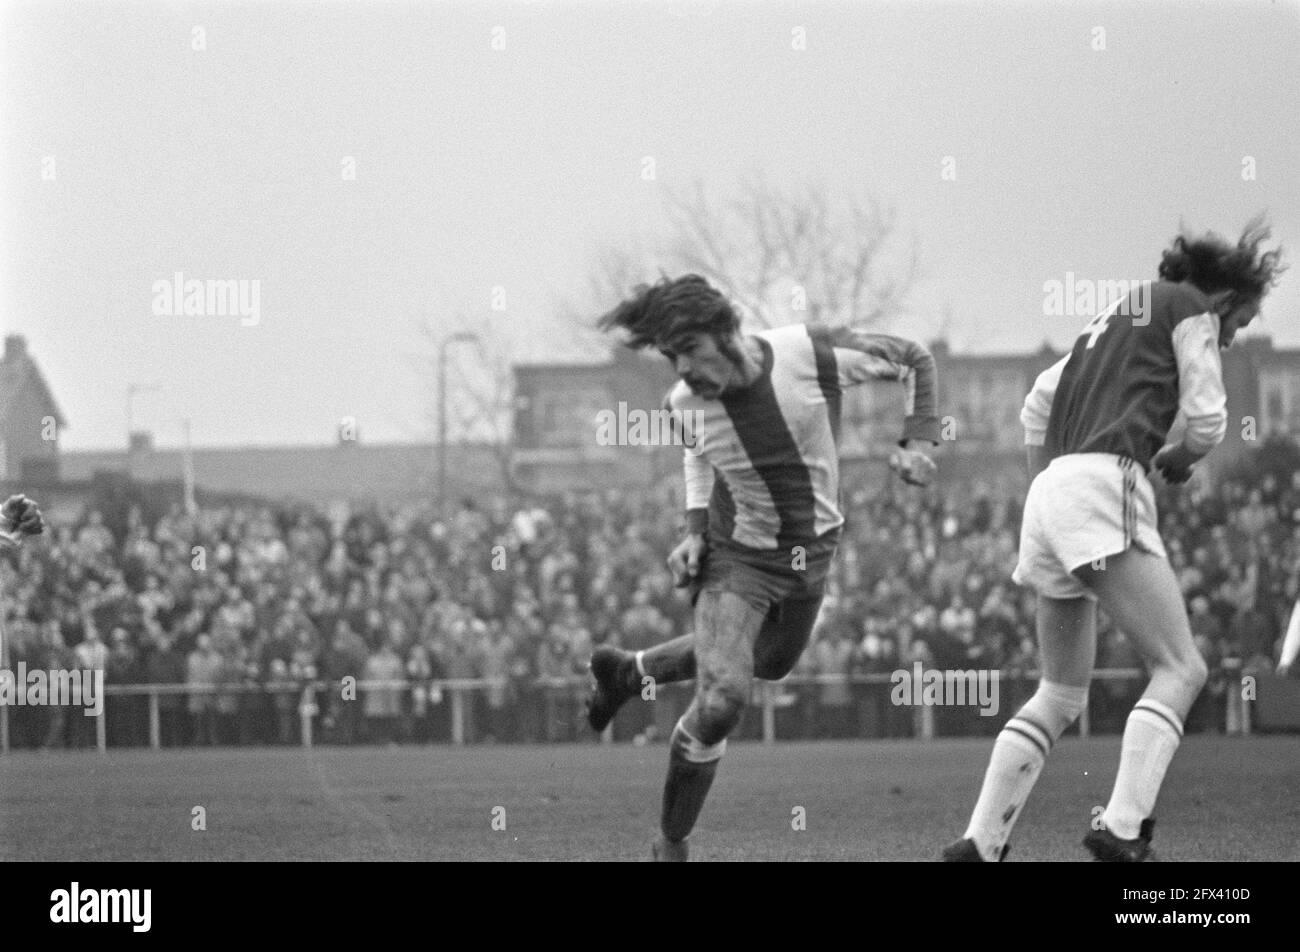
column 719, row 707
column 1187, row 667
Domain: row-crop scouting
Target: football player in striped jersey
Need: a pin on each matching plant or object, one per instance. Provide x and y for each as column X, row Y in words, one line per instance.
column 1141, row 389
column 760, row 416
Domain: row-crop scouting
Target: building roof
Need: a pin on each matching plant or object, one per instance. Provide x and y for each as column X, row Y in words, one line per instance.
column 18, row 371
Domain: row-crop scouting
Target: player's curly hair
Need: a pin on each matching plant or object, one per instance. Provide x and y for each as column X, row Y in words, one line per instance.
column 660, row 312
column 1212, row 263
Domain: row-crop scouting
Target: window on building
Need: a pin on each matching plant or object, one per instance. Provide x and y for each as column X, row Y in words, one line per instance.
column 567, row 419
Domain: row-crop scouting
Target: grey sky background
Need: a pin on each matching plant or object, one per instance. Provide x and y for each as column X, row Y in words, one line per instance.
column 478, row 168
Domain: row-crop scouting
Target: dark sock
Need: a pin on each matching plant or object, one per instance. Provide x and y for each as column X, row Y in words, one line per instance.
column 628, row 676
column 684, row 670
column 685, row 789
column 669, row 662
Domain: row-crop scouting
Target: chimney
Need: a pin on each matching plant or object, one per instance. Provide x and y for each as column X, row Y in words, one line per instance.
column 15, row 346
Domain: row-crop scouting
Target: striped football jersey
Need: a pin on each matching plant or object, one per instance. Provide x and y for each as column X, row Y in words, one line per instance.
column 763, row 460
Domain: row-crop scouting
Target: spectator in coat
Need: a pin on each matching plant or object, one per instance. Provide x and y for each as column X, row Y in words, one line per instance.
column 202, row 671
column 346, row 658
column 383, row 705
column 165, row 665
column 125, row 713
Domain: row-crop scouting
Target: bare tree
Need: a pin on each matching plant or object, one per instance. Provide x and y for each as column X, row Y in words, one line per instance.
column 615, row 271
column 789, row 255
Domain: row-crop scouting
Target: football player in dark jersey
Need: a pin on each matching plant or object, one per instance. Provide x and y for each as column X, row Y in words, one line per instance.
column 760, row 416
column 1141, row 389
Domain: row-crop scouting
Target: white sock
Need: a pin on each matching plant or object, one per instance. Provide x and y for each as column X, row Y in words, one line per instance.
column 1018, row 757
column 1013, row 768
column 1150, row 738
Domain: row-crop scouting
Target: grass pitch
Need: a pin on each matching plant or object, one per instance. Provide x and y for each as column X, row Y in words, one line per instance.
column 1224, row 799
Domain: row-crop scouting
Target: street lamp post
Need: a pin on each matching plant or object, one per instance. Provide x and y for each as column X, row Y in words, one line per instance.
column 460, row 337
column 187, row 464
column 191, row 507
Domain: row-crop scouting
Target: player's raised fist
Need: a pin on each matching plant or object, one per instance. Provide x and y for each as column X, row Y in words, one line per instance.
column 21, row 516
column 915, row 468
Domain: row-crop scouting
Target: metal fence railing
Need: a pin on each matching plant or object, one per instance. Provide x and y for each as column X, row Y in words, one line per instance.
column 306, row 703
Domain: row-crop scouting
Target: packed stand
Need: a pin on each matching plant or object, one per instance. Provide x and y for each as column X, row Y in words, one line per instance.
column 246, row 605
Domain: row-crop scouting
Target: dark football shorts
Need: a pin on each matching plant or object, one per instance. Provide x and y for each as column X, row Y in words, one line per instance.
column 789, row 597
column 767, row 577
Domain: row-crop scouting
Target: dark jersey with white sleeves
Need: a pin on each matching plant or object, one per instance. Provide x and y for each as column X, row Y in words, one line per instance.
column 1150, row 358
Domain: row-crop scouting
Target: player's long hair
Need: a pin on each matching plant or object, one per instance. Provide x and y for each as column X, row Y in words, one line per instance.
column 1214, row 264
column 658, row 313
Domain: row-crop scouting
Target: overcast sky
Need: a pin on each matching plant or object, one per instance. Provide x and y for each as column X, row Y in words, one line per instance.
column 478, row 168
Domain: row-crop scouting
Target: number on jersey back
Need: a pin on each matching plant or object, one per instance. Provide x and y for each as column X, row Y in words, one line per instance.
column 1097, row 326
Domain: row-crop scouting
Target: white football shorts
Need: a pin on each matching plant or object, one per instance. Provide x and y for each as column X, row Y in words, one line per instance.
column 1080, row 509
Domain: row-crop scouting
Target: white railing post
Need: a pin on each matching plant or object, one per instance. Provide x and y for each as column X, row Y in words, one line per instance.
column 155, row 728
column 306, row 711
column 1245, row 709
column 457, row 715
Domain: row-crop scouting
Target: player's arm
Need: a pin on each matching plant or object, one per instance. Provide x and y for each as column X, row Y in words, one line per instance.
column 1035, row 414
column 1202, row 402
column 861, row 356
column 684, row 561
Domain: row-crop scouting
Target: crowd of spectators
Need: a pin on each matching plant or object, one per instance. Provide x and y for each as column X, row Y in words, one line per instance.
column 246, row 604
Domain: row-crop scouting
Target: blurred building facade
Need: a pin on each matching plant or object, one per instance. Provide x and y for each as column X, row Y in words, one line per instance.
column 556, row 428
column 980, row 396
column 557, row 442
